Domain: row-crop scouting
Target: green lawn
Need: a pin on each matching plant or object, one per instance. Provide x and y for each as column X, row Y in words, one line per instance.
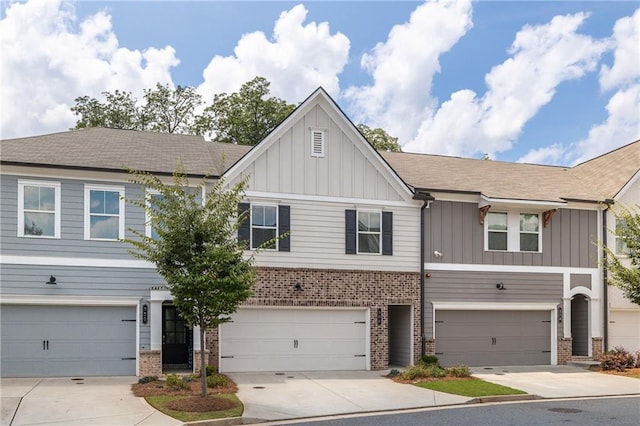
column 158, row 403
column 471, row 387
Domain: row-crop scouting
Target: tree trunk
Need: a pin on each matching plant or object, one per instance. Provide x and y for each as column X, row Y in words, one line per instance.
column 203, row 364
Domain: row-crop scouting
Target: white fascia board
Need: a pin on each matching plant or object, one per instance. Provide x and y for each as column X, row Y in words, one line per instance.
column 512, row 202
column 29, row 299
column 493, row 306
column 325, row 199
column 470, row 267
column 75, row 261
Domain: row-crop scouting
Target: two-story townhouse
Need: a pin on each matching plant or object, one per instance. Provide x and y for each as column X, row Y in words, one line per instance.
column 341, row 291
column 615, row 176
column 511, row 271
column 73, row 301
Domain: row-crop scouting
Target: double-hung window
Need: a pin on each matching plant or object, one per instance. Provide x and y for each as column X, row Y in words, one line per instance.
column 152, row 198
column 264, row 226
column 104, row 212
column 262, row 223
column 369, row 232
column 38, row 209
column 512, row 231
column 621, row 247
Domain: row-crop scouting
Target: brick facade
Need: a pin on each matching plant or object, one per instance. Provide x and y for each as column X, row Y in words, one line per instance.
column 150, row 363
column 596, row 348
column 565, row 350
column 337, row 288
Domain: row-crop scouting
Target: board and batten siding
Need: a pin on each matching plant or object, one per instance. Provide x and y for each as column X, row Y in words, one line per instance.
column 318, row 239
column 453, row 229
column 71, row 242
column 480, row 286
column 346, row 169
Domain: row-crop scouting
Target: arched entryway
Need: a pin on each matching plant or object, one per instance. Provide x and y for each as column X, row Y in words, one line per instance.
column 580, row 325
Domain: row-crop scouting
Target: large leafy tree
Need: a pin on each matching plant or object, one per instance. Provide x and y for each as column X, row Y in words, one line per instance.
column 625, row 273
column 164, row 110
column 195, row 248
column 379, row 138
column 247, row 116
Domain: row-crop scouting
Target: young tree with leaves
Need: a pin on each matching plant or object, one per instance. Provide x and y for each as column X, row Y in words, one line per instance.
column 195, row 248
column 626, row 277
column 379, row 138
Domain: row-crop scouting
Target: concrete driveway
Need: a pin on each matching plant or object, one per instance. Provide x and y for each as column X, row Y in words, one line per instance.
column 277, row 396
column 559, row 381
column 92, row 400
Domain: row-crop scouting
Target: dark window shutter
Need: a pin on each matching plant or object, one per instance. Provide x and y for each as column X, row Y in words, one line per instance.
column 387, row 233
column 350, row 231
column 244, row 231
column 284, row 244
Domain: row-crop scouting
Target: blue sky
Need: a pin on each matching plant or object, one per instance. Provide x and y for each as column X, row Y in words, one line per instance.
column 546, row 82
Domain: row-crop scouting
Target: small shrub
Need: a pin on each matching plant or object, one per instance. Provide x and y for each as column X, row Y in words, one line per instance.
column 637, row 359
column 147, row 379
column 217, row 381
column 459, row 371
column 617, row 359
column 393, row 373
column 175, row 382
column 429, row 360
column 211, row 371
column 423, row 371
column 188, row 379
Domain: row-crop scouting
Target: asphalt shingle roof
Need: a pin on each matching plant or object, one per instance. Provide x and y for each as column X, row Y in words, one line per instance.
column 112, row 149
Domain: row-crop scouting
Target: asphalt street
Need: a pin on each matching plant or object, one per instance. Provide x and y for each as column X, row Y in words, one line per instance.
column 621, row 411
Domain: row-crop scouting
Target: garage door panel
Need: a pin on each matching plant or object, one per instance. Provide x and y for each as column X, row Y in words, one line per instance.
column 49, row 341
column 624, row 329
column 493, row 337
column 293, row 340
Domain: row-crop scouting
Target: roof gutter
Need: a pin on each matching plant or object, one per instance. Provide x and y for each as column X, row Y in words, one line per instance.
column 605, row 275
column 426, row 199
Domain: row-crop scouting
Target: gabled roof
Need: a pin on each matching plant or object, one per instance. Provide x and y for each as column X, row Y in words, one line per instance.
column 595, row 180
column 114, row 149
column 610, row 172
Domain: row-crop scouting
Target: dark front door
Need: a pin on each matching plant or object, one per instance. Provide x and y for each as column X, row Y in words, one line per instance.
column 176, row 340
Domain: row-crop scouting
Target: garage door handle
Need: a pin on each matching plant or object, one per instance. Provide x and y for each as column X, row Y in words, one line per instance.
column 295, row 344
column 124, row 359
column 45, row 345
column 493, row 340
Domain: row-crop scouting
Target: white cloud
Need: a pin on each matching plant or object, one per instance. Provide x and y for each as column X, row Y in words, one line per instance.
column 543, row 56
column 403, row 68
column 626, row 66
column 296, row 60
column 545, row 155
column 49, row 59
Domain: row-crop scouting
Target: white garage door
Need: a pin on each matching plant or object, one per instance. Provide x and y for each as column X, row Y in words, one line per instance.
column 294, row 340
column 58, row 341
column 624, row 330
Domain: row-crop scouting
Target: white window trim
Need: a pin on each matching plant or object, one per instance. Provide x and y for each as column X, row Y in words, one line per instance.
column 513, row 232
column 43, row 184
column 251, row 247
column 323, row 132
column 87, row 208
column 379, row 212
column 147, row 218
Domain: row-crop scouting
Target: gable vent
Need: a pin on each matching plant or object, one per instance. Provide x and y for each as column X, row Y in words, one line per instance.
column 317, row 143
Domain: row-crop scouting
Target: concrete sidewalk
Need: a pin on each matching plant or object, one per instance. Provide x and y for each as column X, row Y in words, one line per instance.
column 277, row 396
column 559, row 381
column 67, row 401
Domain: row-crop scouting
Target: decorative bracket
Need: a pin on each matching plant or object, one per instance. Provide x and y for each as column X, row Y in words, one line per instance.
column 483, row 213
column 546, row 216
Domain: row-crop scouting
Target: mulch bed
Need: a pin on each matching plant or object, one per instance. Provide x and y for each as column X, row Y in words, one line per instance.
column 159, row 388
column 198, row 404
column 627, row 372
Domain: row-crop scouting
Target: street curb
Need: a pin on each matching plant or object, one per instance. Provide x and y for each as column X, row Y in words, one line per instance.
column 227, row 421
column 504, row 398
